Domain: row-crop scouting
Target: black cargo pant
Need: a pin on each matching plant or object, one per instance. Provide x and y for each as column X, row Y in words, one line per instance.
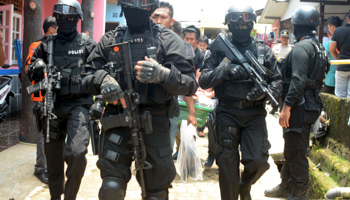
column 72, row 121
column 295, row 169
column 212, row 136
column 246, row 128
column 158, row 149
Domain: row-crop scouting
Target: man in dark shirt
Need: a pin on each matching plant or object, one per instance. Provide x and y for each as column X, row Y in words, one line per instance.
column 67, row 135
column 155, row 81
column 164, row 16
column 240, row 114
column 191, row 35
column 49, row 27
column 302, row 105
column 341, row 41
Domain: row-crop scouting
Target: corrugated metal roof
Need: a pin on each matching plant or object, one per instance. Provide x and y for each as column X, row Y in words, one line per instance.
column 276, row 10
column 272, row 11
column 336, row 10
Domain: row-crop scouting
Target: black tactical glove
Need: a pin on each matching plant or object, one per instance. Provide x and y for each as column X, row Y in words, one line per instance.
column 96, row 110
column 38, row 69
column 110, row 89
column 152, row 72
column 236, row 72
column 256, row 93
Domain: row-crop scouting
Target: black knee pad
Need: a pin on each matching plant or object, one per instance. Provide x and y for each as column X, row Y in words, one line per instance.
column 161, row 195
column 112, row 189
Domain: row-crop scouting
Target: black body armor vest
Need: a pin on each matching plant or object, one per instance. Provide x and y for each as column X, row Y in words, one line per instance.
column 69, row 59
column 318, row 73
column 150, row 94
column 238, row 90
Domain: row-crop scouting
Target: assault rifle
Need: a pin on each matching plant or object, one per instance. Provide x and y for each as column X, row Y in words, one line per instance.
column 134, row 120
column 222, row 45
column 51, row 81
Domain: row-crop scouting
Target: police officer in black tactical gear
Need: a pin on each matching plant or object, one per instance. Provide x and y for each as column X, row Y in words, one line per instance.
column 156, row 80
column 304, row 72
column 240, row 121
column 71, row 105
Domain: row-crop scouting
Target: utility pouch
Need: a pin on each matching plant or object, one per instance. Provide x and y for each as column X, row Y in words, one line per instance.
column 65, row 82
column 38, row 116
column 75, row 85
column 147, row 122
column 212, row 134
column 54, row 136
column 312, row 101
column 100, row 145
column 94, row 133
column 312, row 106
column 171, row 110
column 75, row 78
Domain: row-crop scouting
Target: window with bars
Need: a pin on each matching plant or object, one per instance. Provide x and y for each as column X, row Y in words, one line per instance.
column 11, row 26
column 17, row 4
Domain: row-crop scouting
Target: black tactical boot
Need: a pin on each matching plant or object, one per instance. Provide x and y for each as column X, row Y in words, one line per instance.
column 244, row 192
column 245, row 196
column 297, row 194
column 281, row 190
column 161, row 195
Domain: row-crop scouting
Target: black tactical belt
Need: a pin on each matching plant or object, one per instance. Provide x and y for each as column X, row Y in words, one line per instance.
column 226, row 143
column 242, row 104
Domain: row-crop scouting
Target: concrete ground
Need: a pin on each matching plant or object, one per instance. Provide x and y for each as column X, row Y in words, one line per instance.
column 17, row 181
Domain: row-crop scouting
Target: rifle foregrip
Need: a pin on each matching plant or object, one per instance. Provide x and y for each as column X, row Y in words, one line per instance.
column 34, row 88
column 273, row 98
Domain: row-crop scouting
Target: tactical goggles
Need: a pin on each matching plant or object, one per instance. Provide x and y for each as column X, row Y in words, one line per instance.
column 65, row 9
column 138, row 3
column 245, row 17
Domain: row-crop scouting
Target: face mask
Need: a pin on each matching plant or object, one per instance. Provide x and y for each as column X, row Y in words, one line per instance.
column 301, row 31
column 66, row 26
column 240, row 35
column 137, row 18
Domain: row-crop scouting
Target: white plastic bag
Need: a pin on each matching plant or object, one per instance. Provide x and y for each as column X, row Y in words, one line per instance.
column 188, row 162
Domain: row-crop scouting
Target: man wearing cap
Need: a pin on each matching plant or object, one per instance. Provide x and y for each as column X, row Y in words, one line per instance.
column 281, row 51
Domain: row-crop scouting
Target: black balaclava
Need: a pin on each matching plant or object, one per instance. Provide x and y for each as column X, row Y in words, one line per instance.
column 67, row 29
column 301, row 31
column 240, row 36
column 137, row 19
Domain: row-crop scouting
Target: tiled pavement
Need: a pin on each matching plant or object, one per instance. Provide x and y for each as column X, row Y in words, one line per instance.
column 17, row 180
column 9, row 131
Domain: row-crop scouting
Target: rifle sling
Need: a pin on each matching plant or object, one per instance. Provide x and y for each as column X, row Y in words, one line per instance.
column 114, row 121
column 120, row 120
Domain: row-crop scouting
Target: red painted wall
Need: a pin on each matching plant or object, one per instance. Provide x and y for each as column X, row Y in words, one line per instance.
column 47, row 7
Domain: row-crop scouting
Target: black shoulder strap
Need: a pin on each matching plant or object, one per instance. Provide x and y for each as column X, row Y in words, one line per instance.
column 260, row 50
column 320, row 60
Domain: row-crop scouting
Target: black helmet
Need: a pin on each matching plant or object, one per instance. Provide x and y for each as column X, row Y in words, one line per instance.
column 240, row 11
column 284, row 33
column 68, row 7
column 140, row 3
column 306, row 16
